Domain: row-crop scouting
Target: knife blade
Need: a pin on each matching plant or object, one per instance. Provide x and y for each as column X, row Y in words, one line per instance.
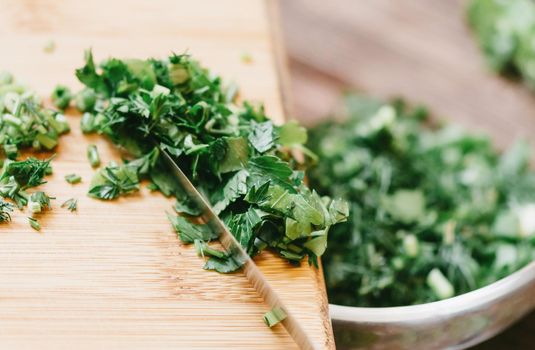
column 233, row 247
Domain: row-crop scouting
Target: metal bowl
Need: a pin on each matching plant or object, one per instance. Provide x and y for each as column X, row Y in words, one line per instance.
column 454, row 323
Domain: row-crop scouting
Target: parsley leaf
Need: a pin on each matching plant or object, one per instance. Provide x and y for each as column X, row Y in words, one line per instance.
column 189, row 232
column 261, row 136
column 113, row 181
column 226, row 265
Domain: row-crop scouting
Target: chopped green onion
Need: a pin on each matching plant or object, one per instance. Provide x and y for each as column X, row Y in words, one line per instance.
column 276, row 315
column 39, row 201
column 61, row 96
column 203, row 249
column 34, row 224
column 87, row 123
column 73, row 178
column 46, row 141
column 85, row 100
column 440, row 285
column 411, row 245
column 25, row 122
column 93, row 156
column 34, row 206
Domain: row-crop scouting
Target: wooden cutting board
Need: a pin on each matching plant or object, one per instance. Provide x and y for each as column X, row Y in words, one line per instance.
column 114, row 275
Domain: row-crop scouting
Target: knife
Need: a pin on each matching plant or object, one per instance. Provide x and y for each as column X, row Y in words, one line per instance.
column 233, row 247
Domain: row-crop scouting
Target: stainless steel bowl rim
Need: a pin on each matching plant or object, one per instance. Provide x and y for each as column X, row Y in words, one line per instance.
column 436, row 311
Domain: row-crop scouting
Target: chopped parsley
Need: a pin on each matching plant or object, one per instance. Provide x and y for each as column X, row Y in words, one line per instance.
column 232, row 152
column 114, row 180
column 435, row 211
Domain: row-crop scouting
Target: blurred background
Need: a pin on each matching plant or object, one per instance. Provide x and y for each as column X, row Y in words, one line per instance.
column 421, row 50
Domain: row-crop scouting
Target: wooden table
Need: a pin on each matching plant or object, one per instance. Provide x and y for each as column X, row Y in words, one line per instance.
column 418, row 49
column 114, row 275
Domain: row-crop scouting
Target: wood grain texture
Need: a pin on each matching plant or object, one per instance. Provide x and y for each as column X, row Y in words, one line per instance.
column 419, row 49
column 114, row 275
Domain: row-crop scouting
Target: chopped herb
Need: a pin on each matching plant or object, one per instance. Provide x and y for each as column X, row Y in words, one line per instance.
column 39, row 201
column 185, row 205
column 27, row 173
column 275, row 316
column 61, row 97
column 203, row 249
column 440, row 284
column 87, row 123
column 34, row 224
column 227, row 264
column 92, row 156
column 189, row 232
column 5, row 211
column 435, row 211
column 73, row 178
column 9, row 188
column 24, row 122
column 232, row 153
column 17, row 176
column 85, row 100
column 71, row 204
column 114, row 180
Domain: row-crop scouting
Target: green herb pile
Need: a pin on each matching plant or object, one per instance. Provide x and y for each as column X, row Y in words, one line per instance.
column 232, row 152
column 24, row 122
column 505, row 31
column 16, row 177
column 435, row 212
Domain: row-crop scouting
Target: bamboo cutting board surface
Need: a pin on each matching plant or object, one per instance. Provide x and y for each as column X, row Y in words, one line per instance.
column 114, row 275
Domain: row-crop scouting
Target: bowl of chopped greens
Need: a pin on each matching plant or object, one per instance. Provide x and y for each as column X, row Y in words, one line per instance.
column 437, row 249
